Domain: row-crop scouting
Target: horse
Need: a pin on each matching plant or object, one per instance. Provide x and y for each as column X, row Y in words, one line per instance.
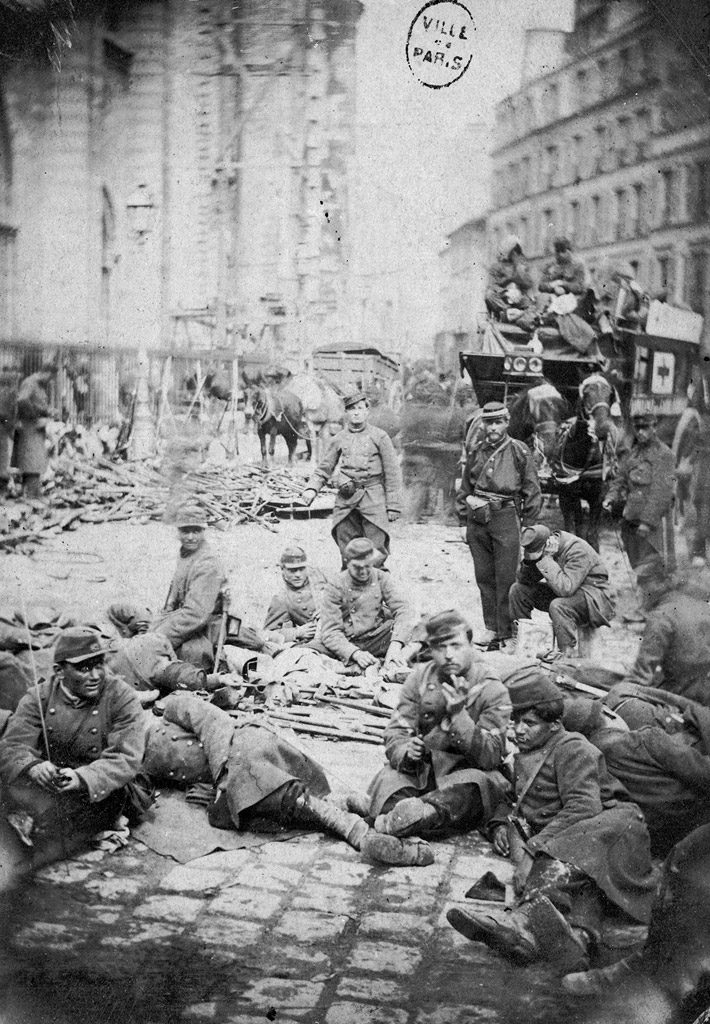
column 278, row 413
column 585, row 456
column 323, row 409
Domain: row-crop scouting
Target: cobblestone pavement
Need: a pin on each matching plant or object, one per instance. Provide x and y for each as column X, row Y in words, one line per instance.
column 301, row 930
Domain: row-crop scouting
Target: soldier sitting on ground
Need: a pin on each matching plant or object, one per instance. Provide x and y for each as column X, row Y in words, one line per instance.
column 563, row 575
column 675, row 647
column 445, row 742
column 68, row 760
column 294, row 612
column 258, row 774
column 574, row 840
column 365, row 617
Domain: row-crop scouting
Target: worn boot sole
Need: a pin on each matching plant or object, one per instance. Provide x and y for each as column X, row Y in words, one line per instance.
column 358, row 803
column 410, row 816
column 555, row 938
column 384, row 849
column 499, row 937
column 606, row 979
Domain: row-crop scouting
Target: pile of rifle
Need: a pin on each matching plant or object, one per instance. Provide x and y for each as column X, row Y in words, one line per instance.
column 83, row 490
column 356, row 719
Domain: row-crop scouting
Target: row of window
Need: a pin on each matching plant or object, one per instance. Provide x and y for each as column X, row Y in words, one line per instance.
column 674, row 195
column 584, row 154
column 610, row 74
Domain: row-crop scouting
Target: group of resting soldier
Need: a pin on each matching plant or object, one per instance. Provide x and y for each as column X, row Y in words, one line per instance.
column 591, row 791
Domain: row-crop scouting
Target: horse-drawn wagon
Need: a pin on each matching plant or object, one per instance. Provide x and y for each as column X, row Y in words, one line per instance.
column 572, row 407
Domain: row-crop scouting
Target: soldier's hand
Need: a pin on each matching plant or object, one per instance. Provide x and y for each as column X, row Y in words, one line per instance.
column 68, row 780
column 308, row 496
column 500, row 841
column 307, row 631
column 415, row 749
column 455, row 700
column 606, row 505
column 643, row 529
column 43, row 774
column 392, row 516
column 363, row 659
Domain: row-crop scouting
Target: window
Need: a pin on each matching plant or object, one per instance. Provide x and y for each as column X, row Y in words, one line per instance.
column 667, row 201
column 603, row 69
column 549, row 229
column 620, row 214
column 665, row 276
column 551, row 163
column 638, row 211
column 642, row 132
column 576, row 154
column 575, row 223
column 625, row 67
column 551, row 100
column 599, row 148
column 696, row 281
column 596, row 228
column 525, row 181
column 581, row 83
column 523, row 233
column 623, row 141
column 699, row 189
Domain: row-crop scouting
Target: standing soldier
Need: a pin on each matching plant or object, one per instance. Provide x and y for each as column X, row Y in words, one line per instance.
column 368, row 479
column 499, row 488
column 33, row 411
column 645, row 488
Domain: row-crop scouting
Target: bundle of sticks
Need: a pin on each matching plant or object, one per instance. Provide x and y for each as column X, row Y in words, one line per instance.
column 79, row 490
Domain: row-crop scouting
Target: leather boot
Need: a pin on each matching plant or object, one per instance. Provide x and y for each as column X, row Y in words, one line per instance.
column 563, row 946
column 410, row 816
column 604, row 979
column 506, row 932
column 310, row 810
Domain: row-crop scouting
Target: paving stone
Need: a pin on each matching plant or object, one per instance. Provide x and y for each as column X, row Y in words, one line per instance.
column 300, row 955
column 383, row 957
column 227, row 932
column 341, row 872
column 115, row 888
column 41, row 933
column 405, row 927
column 246, row 902
column 230, row 861
column 154, row 932
column 193, row 879
column 295, row 854
column 315, row 896
column 361, row 1013
column 269, row 876
column 409, row 899
column 473, row 865
column 199, row 1012
column 459, row 1015
column 172, row 909
column 285, row 995
column 65, row 872
column 429, row 877
column 365, row 987
column 311, row 926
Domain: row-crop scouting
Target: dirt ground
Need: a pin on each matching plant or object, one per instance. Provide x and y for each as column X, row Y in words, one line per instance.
column 92, row 908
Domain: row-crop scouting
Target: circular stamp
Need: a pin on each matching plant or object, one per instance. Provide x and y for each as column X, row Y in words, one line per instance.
column 440, row 43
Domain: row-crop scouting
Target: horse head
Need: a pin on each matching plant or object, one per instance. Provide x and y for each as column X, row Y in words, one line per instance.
column 535, row 417
column 596, row 396
column 261, row 403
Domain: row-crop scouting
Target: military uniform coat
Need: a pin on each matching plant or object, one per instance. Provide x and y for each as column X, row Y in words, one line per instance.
column 467, row 749
column 103, row 741
column 351, row 611
column 575, row 568
column 667, row 778
column 576, row 812
column 645, row 485
column 258, row 761
column 573, row 273
column 194, row 603
column 367, row 457
column 291, row 607
column 676, row 640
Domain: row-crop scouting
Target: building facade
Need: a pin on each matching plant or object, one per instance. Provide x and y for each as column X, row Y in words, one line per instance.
column 463, row 273
column 177, row 176
column 610, row 147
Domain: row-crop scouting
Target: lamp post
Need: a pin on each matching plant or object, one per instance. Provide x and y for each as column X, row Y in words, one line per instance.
column 140, row 210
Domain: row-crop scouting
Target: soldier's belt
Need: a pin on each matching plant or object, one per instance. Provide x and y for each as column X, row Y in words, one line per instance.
column 496, row 501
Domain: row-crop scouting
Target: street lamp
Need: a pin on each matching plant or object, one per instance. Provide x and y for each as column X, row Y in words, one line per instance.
column 140, row 211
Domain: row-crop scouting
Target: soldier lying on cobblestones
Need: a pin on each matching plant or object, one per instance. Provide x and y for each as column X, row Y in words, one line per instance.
column 257, row 774
column 445, row 742
column 576, row 842
column 68, row 763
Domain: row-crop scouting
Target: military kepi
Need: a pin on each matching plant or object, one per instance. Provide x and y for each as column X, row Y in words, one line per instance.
column 532, row 690
column 77, row 644
column 191, row 515
column 644, row 419
column 494, row 411
column 534, row 538
column 445, row 625
column 360, row 547
column 293, row 556
column 352, row 396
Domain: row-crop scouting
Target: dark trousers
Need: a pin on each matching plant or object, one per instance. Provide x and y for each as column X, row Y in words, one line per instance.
column 650, row 550
column 572, row 892
column 68, row 817
column 459, row 807
column 567, row 613
column 31, row 486
column 356, row 525
column 495, row 549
